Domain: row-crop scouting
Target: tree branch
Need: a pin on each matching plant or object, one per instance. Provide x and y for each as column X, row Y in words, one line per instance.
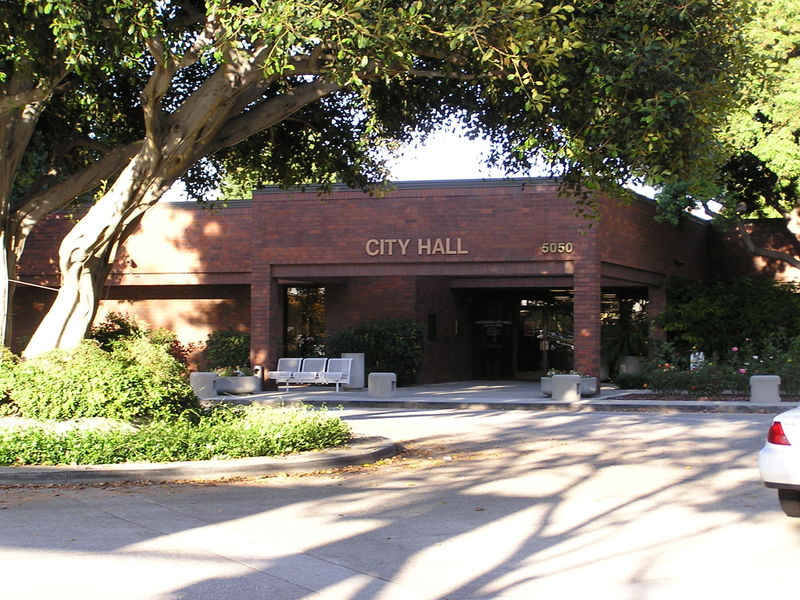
column 764, row 252
column 11, row 102
column 271, row 112
column 36, row 207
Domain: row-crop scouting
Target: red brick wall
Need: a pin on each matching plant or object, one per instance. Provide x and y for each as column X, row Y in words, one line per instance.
column 730, row 258
column 236, row 259
column 368, row 299
column 448, row 349
column 186, row 268
column 179, row 243
column 630, row 236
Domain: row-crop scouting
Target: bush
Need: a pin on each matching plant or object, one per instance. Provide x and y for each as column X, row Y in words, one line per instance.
column 717, row 316
column 391, row 345
column 222, row 433
column 227, row 349
column 630, row 381
column 117, row 326
column 8, row 363
column 137, row 381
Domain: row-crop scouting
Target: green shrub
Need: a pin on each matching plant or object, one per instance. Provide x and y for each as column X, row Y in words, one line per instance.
column 8, row 363
column 711, row 379
column 223, row 433
column 716, row 316
column 227, row 349
column 117, row 326
column 390, row 345
column 630, row 381
column 137, row 381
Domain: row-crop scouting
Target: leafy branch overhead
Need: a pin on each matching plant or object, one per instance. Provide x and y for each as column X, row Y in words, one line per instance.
column 312, row 91
column 760, row 176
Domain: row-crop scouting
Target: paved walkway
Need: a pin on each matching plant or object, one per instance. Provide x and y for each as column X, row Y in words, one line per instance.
column 496, row 395
column 471, row 395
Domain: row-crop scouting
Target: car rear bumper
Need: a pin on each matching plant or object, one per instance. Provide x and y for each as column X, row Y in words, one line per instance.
column 779, row 466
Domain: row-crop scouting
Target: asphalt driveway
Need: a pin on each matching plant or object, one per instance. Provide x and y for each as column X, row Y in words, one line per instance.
column 482, row 504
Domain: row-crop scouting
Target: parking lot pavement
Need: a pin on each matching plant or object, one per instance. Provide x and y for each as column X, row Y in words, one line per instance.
column 475, row 396
column 483, row 504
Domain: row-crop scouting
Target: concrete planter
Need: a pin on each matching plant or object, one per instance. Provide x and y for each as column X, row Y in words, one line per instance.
column 765, row 389
column 202, row 383
column 588, row 386
column 248, row 384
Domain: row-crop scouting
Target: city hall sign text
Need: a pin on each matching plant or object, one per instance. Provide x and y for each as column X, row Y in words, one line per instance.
column 418, row 247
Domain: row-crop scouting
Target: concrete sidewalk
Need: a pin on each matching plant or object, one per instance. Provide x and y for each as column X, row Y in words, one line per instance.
column 470, row 395
column 495, row 395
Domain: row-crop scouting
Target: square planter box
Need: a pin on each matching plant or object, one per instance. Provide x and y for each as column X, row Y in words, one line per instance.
column 249, row 384
column 588, row 386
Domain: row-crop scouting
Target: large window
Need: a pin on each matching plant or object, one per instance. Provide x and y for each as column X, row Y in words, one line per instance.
column 305, row 321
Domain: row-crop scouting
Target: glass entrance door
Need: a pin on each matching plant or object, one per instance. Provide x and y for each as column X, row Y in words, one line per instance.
column 544, row 338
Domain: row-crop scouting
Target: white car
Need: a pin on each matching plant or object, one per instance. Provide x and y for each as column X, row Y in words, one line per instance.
column 779, row 460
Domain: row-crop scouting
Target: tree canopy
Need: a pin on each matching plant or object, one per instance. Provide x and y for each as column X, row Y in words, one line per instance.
column 761, row 175
column 300, row 91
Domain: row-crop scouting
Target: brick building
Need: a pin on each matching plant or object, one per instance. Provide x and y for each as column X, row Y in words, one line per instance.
column 504, row 276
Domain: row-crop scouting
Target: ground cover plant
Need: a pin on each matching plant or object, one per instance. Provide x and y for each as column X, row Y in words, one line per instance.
column 222, row 433
column 125, row 397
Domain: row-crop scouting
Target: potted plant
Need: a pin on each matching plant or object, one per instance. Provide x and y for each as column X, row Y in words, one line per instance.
column 588, row 385
column 237, row 380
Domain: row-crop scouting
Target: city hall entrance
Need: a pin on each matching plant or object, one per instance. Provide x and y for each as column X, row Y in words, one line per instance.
column 521, row 334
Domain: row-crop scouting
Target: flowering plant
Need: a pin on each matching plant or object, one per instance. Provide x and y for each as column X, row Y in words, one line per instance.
column 552, row 372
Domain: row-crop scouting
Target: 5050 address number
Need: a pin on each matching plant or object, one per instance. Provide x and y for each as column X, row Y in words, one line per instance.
column 557, row 247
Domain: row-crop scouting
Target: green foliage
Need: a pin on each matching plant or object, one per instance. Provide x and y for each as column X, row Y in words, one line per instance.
column 715, row 316
column 669, row 371
column 119, row 327
column 631, row 381
column 115, row 327
column 8, row 363
column 227, row 349
column 222, row 433
column 389, row 345
column 137, row 381
column 760, row 173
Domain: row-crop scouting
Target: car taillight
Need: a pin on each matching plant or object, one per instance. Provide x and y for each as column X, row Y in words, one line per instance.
column 776, row 434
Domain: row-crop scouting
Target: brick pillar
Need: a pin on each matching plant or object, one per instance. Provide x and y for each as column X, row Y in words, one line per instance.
column 266, row 318
column 586, row 281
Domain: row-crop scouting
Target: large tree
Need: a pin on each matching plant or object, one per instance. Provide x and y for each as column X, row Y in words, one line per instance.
column 761, row 175
column 61, row 131
column 298, row 90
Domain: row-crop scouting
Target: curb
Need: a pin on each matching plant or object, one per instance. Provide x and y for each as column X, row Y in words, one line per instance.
column 618, row 404
column 359, row 451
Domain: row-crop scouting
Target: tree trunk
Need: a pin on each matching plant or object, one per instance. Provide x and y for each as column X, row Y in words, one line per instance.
column 7, row 271
column 89, row 250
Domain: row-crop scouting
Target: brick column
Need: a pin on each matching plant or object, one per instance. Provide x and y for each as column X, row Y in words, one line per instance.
column 259, row 309
column 586, row 282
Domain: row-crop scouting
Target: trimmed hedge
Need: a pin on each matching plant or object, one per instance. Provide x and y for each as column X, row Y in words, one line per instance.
column 390, row 345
